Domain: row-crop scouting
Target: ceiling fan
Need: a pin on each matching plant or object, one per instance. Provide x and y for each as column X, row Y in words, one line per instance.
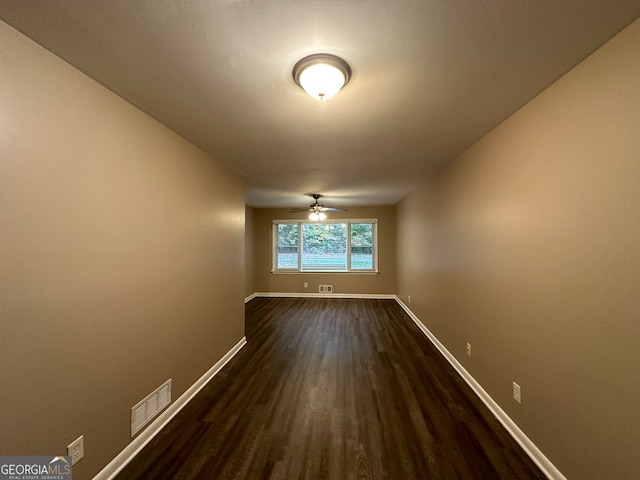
column 317, row 209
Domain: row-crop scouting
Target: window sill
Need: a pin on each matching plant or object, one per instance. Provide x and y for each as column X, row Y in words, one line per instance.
column 341, row 272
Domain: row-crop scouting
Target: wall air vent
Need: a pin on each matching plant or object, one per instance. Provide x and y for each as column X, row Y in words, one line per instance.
column 148, row 408
column 326, row 288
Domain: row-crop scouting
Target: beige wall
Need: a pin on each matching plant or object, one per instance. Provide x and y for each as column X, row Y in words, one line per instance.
column 528, row 247
column 121, row 259
column 382, row 283
column 249, row 261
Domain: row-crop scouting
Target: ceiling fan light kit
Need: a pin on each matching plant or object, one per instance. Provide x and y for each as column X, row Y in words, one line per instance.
column 317, row 216
column 321, row 75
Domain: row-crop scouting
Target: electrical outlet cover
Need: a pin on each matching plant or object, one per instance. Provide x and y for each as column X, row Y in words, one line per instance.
column 76, row 449
column 517, row 393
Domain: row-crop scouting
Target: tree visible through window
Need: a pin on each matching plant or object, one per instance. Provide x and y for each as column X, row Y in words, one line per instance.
column 287, row 245
column 324, row 246
column 362, row 246
column 347, row 245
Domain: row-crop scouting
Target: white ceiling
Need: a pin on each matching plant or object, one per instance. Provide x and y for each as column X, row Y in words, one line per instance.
column 430, row 77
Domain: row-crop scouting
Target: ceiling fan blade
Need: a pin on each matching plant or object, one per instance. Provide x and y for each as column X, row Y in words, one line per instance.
column 299, row 210
column 332, row 209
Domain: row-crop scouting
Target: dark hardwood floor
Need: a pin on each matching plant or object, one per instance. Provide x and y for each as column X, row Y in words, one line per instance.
column 333, row 389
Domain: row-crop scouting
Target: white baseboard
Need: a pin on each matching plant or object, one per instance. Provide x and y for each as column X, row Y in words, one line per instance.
column 519, row 436
column 380, row 296
column 137, row 444
column 250, row 297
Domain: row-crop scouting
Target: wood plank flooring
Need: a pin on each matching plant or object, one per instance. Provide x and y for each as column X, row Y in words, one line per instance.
column 333, row 389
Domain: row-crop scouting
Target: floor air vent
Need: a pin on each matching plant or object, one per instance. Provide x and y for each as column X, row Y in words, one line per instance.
column 326, row 288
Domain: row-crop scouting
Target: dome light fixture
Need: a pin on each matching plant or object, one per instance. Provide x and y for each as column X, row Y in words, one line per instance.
column 321, row 75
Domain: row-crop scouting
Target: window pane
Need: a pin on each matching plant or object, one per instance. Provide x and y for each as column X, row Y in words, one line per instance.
column 362, row 246
column 287, row 251
column 324, row 246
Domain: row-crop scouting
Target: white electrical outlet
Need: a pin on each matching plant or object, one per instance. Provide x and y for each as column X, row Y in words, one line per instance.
column 306, row 284
column 517, row 393
column 76, row 449
column 409, row 298
column 469, row 349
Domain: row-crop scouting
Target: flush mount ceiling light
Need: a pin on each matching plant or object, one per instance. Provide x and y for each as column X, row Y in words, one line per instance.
column 321, row 75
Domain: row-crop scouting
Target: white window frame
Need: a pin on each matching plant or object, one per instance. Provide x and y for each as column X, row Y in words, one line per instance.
column 299, row 269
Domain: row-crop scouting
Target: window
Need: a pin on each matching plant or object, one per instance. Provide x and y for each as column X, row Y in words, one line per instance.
column 332, row 246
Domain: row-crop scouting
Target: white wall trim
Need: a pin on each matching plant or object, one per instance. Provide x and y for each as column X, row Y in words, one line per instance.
column 137, row 444
column 539, row 458
column 380, row 296
column 250, row 297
